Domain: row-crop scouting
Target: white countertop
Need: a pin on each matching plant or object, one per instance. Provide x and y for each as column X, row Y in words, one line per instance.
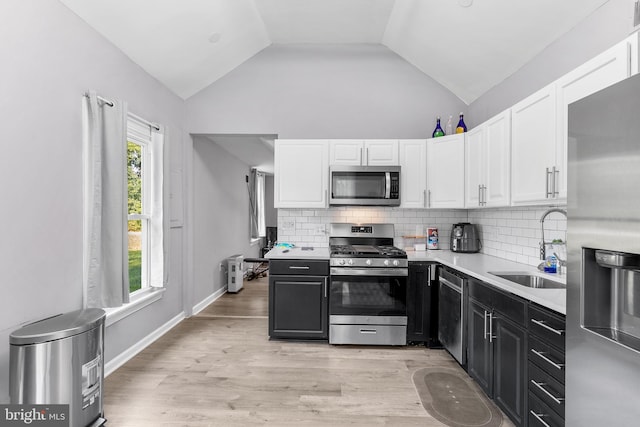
column 298, row 252
column 475, row 265
column 478, row 265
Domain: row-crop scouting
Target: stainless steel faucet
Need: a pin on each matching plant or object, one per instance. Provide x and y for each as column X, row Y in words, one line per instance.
column 543, row 250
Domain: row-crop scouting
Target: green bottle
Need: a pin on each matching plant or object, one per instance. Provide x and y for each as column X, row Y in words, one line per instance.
column 438, row 130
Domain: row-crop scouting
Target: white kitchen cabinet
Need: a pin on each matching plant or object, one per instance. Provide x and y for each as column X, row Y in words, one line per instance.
column 540, row 123
column 488, row 163
column 357, row 152
column 301, row 174
column 533, row 145
column 413, row 173
column 608, row 68
column 445, row 172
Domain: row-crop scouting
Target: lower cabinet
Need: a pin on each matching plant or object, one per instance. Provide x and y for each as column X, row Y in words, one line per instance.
column 496, row 347
column 422, row 304
column 546, row 369
column 298, row 299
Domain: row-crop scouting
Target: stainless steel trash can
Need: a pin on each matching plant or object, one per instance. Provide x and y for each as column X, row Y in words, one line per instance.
column 59, row 360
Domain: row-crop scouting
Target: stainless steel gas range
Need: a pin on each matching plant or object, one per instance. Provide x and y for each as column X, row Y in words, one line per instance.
column 368, row 283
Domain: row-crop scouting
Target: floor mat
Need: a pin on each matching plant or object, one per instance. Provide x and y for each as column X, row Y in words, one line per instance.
column 452, row 398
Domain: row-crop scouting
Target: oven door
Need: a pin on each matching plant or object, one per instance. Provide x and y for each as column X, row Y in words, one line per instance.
column 369, row 292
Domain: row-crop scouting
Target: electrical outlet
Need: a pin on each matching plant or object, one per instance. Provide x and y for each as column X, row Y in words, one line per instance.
column 288, row 225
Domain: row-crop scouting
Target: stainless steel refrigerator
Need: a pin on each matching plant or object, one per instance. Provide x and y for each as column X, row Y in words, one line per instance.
column 603, row 277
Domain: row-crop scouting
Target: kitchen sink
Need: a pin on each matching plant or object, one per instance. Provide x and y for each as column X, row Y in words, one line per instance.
column 530, row 280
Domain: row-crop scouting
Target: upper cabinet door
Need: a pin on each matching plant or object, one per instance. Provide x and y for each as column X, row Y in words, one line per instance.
column 381, row 152
column 608, row 68
column 533, row 144
column 475, row 151
column 497, row 161
column 301, row 174
column 445, row 172
column 346, row 152
column 413, row 173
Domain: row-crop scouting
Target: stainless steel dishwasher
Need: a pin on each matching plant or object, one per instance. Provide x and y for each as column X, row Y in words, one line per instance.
column 451, row 314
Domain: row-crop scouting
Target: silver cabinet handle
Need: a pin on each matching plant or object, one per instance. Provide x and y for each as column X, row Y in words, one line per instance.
column 424, row 198
column 325, row 288
column 543, row 356
column 539, row 418
column 558, row 400
column 428, row 198
column 548, row 193
column 295, row 267
column 366, row 150
column 491, row 336
column 479, row 194
column 549, row 328
column 484, row 195
column 429, row 276
column 485, row 324
column 556, row 173
column 368, row 331
column 362, row 162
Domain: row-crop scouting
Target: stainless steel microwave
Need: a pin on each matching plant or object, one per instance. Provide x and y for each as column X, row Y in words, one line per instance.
column 365, row 185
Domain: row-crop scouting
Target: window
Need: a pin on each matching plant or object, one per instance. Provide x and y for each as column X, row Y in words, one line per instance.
column 142, row 204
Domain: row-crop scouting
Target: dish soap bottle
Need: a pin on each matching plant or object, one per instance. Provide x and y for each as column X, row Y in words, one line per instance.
column 450, row 126
column 551, row 266
column 461, row 128
column 438, row 130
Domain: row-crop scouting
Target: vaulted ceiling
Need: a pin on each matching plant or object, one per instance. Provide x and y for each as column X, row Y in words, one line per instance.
column 467, row 46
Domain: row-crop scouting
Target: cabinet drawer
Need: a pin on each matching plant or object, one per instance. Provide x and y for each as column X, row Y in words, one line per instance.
column 549, row 326
column 547, row 389
column 481, row 293
column 513, row 307
column 299, row 267
column 548, row 358
column 540, row 415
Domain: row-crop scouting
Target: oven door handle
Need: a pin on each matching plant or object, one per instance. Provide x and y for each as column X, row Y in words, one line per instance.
column 373, row 271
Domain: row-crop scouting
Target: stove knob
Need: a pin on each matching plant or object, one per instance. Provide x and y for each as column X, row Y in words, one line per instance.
column 368, row 262
column 350, row 262
column 395, row 262
column 341, row 262
column 386, row 262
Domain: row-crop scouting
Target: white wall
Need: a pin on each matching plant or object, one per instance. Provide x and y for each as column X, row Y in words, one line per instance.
column 323, row 91
column 220, row 214
column 49, row 59
column 606, row 26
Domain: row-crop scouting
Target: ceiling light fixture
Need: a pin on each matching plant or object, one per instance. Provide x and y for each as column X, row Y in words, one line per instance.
column 465, row 3
column 215, row 38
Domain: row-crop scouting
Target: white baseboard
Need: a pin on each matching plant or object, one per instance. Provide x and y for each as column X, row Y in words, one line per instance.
column 129, row 353
column 208, row 300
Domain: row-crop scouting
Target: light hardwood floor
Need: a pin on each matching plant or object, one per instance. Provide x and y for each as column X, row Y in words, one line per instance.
column 219, row 368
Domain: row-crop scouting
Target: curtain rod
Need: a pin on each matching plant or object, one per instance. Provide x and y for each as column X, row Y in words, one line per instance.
column 138, row 118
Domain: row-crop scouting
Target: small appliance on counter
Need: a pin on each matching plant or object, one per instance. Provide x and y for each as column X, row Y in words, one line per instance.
column 465, row 238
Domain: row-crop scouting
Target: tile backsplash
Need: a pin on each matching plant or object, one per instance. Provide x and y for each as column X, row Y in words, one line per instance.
column 510, row 233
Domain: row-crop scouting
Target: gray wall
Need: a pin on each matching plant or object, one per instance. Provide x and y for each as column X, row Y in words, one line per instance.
column 323, row 91
column 220, row 214
column 50, row 58
column 608, row 25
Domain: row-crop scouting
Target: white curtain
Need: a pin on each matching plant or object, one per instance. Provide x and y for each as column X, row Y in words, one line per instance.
column 260, row 200
column 105, row 273
column 159, row 229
